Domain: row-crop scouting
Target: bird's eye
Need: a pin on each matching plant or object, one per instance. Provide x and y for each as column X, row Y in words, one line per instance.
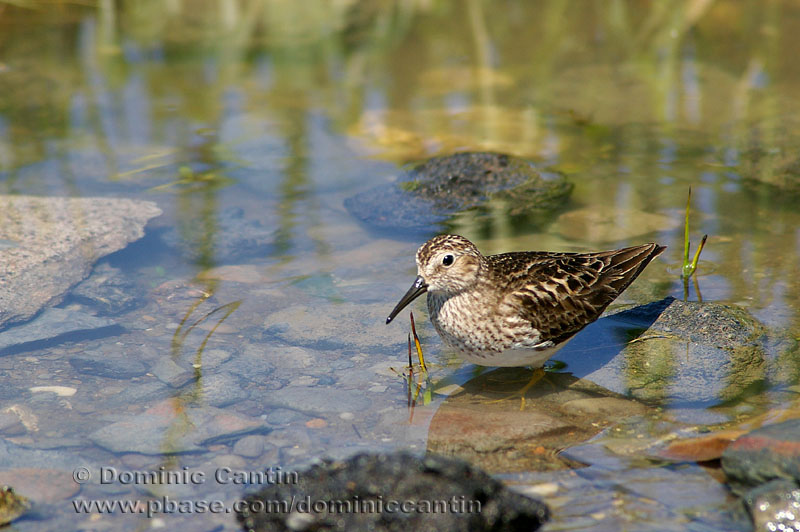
column 448, row 259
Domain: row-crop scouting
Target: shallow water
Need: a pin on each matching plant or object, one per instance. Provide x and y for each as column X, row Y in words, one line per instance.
column 260, row 301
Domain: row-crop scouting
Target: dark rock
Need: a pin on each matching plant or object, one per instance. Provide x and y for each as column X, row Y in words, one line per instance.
column 433, row 191
column 774, row 506
column 107, row 290
column 472, row 499
column 767, row 453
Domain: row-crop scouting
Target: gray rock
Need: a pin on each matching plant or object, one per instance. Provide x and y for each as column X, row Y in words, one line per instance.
column 628, row 497
column 685, row 354
column 214, row 357
column 473, row 499
column 251, row 446
column 168, row 372
column 287, row 357
column 52, row 244
column 433, row 191
column 161, row 430
column 251, row 363
column 55, row 325
column 221, row 389
column 11, row 425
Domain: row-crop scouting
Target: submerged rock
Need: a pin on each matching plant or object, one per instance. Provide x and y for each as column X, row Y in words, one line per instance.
column 51, row 243
column 315, row 400
column 41, row 485
column 778, row 166
column 595, row 225
column 107, row 290
column 767, row 453
column 106, row 363
column 345, row 326
column 52, row 326
column 433, row 191
column 723, row 326
column 491, row 427
column 392, row 492
column 172, row 428
column 683, row 353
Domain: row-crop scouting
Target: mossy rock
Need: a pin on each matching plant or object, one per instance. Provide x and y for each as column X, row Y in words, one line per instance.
column 12, row 505
column 430, row 193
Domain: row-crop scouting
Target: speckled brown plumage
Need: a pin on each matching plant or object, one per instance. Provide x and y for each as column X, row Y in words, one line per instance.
column 517, row 309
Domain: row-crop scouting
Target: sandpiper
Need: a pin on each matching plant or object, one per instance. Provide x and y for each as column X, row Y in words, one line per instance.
column 517, row 309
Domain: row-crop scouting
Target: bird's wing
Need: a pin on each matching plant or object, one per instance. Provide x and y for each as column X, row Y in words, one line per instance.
column 560, row 293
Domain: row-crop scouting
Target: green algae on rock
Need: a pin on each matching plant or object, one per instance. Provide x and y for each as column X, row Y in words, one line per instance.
column 686, row 353
column 12, row 505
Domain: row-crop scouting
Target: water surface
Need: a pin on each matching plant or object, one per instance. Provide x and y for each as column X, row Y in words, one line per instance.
column 261, row 301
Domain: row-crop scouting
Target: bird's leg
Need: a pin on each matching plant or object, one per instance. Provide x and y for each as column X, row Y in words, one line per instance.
column 537, row 375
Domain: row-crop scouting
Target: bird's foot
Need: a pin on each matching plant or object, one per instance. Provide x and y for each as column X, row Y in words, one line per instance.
column 537, row 375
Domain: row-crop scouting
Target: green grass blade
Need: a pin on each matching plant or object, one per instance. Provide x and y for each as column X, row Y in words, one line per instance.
column 686, row 233
column 697, row 254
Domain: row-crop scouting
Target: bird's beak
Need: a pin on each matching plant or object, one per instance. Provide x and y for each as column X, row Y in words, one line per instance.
column 417, row 289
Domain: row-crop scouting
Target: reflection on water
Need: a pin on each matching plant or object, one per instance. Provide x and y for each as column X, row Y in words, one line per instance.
column 262, row 300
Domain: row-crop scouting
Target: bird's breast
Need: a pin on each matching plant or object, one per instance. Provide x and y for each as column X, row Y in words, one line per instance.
column 467, row 323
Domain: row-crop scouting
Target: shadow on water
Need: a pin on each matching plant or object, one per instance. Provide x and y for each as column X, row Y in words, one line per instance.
column 600, row 342
column 72, row 336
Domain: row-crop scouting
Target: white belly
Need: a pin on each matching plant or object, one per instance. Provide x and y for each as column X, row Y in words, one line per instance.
column 512, row 357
